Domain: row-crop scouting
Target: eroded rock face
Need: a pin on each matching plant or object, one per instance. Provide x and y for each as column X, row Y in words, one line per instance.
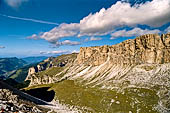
column 151, row 48
column 46, row 71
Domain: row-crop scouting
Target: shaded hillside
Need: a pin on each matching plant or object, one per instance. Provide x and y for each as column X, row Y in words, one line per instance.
column 7, row 65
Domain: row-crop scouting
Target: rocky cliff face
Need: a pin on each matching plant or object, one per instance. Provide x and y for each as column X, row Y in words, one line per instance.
column 141, row 61
column 149, row 48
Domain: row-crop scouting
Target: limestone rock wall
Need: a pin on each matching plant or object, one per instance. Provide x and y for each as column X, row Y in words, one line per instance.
column 150, row 48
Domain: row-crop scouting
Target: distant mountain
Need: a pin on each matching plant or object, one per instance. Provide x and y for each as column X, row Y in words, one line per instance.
column 31, row 60
column 8, row 65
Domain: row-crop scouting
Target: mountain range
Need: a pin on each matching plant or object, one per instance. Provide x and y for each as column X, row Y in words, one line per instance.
column 34, row 59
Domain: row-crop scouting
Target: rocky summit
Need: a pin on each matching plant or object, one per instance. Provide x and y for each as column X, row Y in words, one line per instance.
column 143, row 62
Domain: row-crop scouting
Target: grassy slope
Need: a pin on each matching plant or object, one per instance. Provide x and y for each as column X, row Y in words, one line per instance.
column 100, row 100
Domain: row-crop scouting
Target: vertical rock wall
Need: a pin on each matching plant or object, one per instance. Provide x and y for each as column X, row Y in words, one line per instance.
column 150, row 48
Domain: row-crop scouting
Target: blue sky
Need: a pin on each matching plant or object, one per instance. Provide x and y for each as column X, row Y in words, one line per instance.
column 49, row 27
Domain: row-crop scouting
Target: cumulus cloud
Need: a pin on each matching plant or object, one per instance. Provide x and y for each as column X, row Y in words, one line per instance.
column 2, row 47
column 133, row 32
column 155, row 13
column 63, row 30
column 57, row 33
column 15, row 3
column 95, row 38
column 55, row 52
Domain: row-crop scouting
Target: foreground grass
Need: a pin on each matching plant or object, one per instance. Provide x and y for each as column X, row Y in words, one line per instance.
column 133, row 100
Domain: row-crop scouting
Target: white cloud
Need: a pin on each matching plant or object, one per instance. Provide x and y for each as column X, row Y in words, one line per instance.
column 34, row 36
column 133, row 32
column 64, row 30
column 67, row 42
column 58, row 52
column 55, row 52
column 2, row 47
column 57, row 33
column 167, row 30
column 154, row 13
column 15, row 3
column 95, row 38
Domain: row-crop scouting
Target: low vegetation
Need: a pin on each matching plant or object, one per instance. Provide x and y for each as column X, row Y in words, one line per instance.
column 131, row 100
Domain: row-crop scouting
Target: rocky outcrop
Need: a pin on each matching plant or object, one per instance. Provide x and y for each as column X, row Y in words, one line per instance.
column 49, row 71
column 9, row 103
column 12, row 103
column 151, row 48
